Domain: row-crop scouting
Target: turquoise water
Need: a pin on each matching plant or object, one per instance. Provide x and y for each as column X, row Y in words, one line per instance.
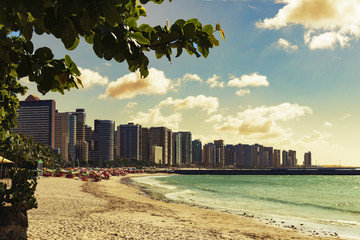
column 325, row 204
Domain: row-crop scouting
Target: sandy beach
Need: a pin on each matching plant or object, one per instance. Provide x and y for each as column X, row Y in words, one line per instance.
column 73, row 209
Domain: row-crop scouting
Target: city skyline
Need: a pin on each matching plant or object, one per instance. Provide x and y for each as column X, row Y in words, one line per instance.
column 277, row 80
column 75, row 140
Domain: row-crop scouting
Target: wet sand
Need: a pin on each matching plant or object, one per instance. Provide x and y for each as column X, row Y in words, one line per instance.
column 73, row 209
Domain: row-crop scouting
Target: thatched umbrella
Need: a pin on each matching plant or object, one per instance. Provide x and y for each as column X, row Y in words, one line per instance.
column 2, row 161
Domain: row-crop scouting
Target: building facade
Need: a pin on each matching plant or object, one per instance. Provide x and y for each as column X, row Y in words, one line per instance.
column 307, row 159
column 104, row 140
column 196, row 152
column 159, row 136
column 36, row 120
column 129, row 142
column 62, row 121
column 220, row 152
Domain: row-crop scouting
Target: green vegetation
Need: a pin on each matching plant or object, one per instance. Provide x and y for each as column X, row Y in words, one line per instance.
column 110, row 26
column 21, row 193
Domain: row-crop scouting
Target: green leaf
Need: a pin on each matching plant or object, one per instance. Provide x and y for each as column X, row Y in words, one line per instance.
column 29, row 47
column 71, row 65
column 142, row 10
column 44, row 54
column 139, row 37
column 208, row 29
column 24, row 67
column 75, row 42
column 189, row 30
column 90, row 38
column 179, row 52
column 222, row 34
column 180, row 23
column 97, row 46
column 218, row 27
column 195, row 21
column 110, row 13
column 213, row 40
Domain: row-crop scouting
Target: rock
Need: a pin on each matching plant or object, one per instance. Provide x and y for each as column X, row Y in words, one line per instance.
column 13, row 224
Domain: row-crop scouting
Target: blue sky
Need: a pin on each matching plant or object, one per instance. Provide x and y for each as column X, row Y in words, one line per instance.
column 287, row 76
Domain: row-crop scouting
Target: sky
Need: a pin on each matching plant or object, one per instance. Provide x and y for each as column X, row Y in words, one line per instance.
column 287, row 76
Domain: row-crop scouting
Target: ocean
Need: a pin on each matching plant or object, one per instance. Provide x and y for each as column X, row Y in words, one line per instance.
column 319, row 204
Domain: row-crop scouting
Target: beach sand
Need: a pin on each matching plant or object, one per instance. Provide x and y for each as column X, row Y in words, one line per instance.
column 73, row 209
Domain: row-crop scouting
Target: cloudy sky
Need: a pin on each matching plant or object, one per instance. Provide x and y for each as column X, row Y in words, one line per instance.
column 287, row 76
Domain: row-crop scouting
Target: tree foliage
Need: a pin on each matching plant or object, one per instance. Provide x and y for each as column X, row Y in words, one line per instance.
column 110, row 26
column 22, row 191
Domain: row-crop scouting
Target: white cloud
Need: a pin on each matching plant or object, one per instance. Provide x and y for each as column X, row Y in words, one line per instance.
column 154, row 117
column 326, row 40
column 132, row 84
column 213, row 82
column 25, row 80
column 188, row 77
column 209, row 104
column 90, row 78
column 262, row 123
column 129, row 106
column 286, row 45
column 346, row 116
column 249, row 80
column 328, row 124
column 215, row 118
column 328, row 22
column 315, row 139
column 243, row 92
column 191, row 77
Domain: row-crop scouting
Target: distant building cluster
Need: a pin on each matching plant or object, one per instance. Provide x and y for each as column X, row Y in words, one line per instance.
column 69, row 135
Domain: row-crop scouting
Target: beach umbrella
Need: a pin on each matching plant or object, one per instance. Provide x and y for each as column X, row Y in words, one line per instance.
column 2, row 161
column 5, row 160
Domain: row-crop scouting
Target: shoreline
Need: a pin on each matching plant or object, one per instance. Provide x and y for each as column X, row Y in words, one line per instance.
column 273, row 220
column 72, row 209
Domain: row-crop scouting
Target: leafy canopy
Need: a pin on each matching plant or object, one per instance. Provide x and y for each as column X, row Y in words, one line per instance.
column 110, row 26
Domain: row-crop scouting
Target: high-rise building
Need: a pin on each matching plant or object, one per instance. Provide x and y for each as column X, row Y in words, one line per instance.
column 186, row 148
column 220, row 152
column 307, row 159
column 157, row 154
column 176, row 139
column 239, row 156
column 129, row 141
column 170, row 147
column 72, row 137
column 80, row 132
column 80, row 124
column 159, row 137
column 145, row 145
column 268, row 157
column 249, row 152
column 285, row 159
column 196, row 152
column 209, row 154
column 82, row 149
column 89, row 138
column 62, row 134
column 36, row 120
column 257, row 156
column 276, row 158
column 292, row 158
column 104, row 140
column 230, row 155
